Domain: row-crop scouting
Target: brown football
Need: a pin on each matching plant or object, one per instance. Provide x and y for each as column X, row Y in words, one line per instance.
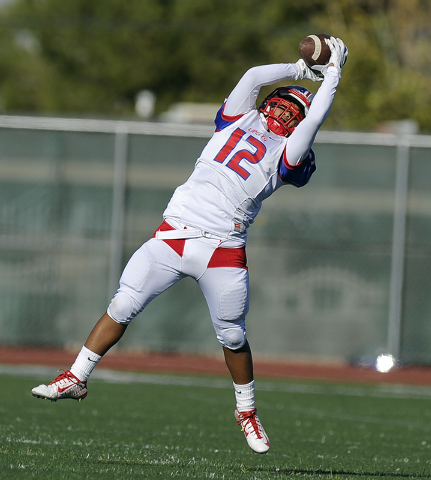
column 313, row 49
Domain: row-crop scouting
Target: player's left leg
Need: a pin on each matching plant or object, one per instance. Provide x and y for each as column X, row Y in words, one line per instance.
column 151, row 270
column 240, row 364
column 73, row 383
column 105, row 334
column 227, row 295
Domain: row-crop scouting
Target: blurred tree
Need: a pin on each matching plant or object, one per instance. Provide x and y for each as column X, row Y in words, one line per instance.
column 387, row 72
column 96, row 56
column 93, row 58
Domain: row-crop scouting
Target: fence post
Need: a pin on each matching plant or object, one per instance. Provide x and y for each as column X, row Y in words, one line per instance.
column 398, row 247
column 118, row 206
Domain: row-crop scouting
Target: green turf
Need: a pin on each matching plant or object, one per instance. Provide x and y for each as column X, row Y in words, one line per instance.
column 157, row 431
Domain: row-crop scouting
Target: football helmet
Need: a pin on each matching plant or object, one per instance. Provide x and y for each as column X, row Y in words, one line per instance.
column 284, row 105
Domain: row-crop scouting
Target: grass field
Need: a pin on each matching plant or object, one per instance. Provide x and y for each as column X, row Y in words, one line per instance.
column 148, row 426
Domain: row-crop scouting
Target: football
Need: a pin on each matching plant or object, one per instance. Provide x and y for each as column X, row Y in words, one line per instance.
column 314, row 51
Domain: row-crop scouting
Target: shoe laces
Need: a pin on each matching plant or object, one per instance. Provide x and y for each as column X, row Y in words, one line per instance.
column 250, row 423
column 66, row 376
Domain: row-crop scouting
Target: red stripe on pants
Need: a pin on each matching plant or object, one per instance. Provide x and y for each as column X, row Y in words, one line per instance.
column 222, row 257
column 228, row 257
column 176, row 245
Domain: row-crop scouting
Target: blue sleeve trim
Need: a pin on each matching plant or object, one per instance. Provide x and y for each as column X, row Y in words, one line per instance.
column 222, row 121
column 299, row 175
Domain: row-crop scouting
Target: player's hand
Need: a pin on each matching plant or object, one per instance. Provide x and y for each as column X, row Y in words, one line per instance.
column 338, row 58
column 339, row 51
column 307, row 73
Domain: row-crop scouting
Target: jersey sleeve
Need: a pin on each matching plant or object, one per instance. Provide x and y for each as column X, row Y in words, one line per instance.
column 301, row 140
column 243, row 97
column 222, row 120
column 300, row 174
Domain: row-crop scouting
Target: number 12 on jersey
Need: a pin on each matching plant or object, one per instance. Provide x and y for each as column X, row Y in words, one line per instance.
column 254, row 155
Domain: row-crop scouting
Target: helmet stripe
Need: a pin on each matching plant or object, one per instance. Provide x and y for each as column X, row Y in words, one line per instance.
column 302, row 97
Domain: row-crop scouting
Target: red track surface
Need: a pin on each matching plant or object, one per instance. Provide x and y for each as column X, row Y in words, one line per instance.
column 202, row 365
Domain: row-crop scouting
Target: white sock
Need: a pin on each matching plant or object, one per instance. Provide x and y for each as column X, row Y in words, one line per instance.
column 244, row 395
column 84, row 364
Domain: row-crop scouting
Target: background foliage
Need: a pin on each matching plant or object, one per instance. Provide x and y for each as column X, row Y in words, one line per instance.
column 92, row 58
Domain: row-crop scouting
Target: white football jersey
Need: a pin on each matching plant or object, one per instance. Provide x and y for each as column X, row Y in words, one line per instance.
column 236, row 171
column 244, row 163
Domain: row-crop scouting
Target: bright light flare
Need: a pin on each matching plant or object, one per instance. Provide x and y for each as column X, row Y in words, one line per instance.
column 385, row 362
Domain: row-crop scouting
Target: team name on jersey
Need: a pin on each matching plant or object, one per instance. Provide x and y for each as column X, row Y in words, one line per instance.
column 255, row 132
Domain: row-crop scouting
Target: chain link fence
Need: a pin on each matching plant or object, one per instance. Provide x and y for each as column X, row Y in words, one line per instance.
column 339, row 270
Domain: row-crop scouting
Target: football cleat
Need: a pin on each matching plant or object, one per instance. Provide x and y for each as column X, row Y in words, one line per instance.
column 66, row 385
column 254, row 433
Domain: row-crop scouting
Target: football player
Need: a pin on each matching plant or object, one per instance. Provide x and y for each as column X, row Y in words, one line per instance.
column 254, row 151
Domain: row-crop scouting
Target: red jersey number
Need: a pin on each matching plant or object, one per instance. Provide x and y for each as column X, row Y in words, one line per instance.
column 254, row 156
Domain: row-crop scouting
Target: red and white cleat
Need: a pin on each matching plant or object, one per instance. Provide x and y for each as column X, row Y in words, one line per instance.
column 66, row 385
column 254, row 433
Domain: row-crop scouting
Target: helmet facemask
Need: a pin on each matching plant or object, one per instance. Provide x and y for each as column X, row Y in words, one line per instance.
column 280, row 116
column 285, row 108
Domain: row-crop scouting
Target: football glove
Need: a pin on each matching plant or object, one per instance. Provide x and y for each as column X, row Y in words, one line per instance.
column 307, row 73
column 338, row 58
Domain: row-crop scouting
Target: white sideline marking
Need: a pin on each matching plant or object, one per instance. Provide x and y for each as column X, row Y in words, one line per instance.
column 288, row 386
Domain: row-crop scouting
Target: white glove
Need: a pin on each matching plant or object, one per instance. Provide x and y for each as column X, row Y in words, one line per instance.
column 307, row 73
column 338, row 57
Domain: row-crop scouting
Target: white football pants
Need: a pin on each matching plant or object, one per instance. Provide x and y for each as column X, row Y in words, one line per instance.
column 220, row 272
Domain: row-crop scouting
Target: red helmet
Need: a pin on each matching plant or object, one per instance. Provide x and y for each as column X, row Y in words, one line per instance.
column 290, row 99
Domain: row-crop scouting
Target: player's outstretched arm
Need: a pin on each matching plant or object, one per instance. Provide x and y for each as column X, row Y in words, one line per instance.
column 303, row 137
column 244, row 95
column 305, row 133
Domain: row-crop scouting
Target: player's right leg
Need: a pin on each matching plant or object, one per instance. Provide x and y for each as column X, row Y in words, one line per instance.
column 227, row 294
column 151, row 270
